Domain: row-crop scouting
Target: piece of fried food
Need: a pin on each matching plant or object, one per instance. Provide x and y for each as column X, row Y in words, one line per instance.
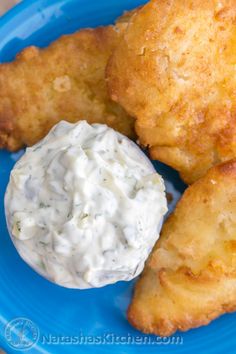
column 190, row 277
column 64, row 81
column 174, row 70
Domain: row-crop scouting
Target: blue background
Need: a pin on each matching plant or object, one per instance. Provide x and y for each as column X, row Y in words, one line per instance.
column 23, row 293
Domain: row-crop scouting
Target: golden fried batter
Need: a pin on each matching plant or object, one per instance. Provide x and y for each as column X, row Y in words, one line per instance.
column 64, row 81
column 190, row 277
column 174, row 70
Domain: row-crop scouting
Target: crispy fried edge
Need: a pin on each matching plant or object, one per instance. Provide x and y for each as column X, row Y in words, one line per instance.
column 10, row 137
column 166, row 327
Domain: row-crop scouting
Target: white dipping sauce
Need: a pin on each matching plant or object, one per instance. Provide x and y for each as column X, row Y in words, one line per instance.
column 84, row 206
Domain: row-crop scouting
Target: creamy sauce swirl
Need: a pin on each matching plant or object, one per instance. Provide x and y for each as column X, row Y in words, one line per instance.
column 84, row 206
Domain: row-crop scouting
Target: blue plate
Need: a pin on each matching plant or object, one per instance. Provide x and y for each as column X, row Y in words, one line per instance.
column 37, row 316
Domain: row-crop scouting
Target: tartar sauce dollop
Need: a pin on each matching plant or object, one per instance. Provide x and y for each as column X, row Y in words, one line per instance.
column 84, row 206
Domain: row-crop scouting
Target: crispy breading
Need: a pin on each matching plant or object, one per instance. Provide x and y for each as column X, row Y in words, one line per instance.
column 64, row 81
column 174, row 70
column 190, row 276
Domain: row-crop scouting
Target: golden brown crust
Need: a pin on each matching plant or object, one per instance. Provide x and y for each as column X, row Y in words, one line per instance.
column 190, row 277
column 174, row 70
column 64, row 81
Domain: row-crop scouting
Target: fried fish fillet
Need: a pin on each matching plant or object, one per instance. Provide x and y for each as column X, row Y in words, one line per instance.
column 190, row 277
column 174, row 70
column 64, row 81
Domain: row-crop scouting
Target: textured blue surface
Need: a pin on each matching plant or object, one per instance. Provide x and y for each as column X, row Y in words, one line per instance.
column 23, row 293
